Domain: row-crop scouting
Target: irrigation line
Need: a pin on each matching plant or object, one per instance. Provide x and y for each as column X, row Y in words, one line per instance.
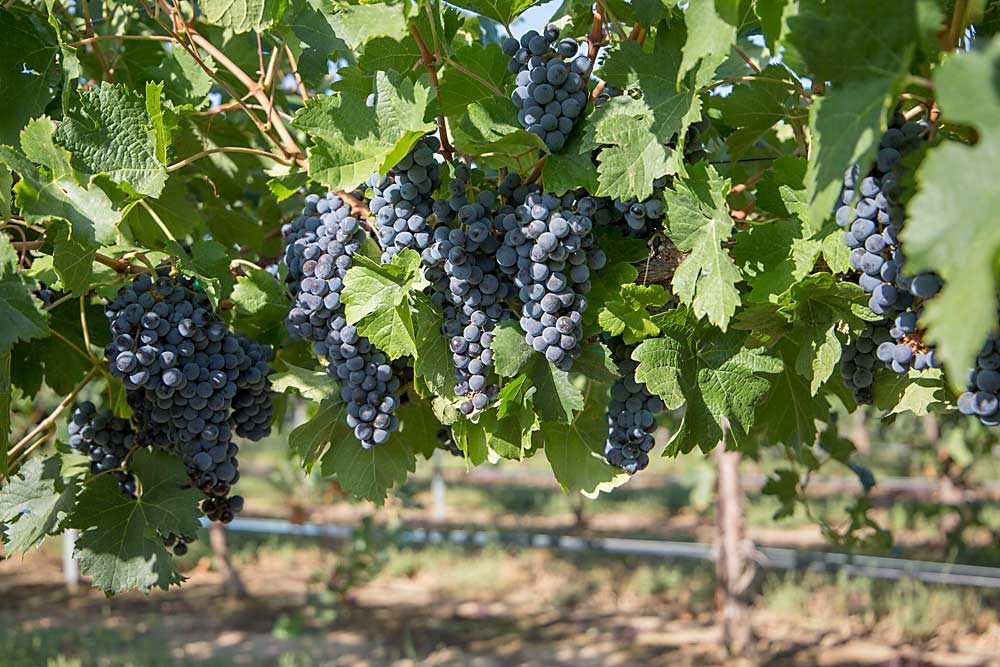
column 875, row 567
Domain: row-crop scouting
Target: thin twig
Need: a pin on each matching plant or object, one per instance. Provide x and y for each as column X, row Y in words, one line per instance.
column 749, row 61
column 85, row 330
column 303, row 93
column 108, row 38
column 957, row 22
column 85, row 6
column 159, row 223
column 428, row 60
column 227, row 149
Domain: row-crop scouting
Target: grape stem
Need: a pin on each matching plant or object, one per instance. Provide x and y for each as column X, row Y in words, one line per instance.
column 107, row 38
column 606, row 10
column 428, row 60
column 118, row 265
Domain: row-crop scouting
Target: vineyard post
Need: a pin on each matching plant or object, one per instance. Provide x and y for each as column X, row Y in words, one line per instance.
column 734, row 568
column 71, row 567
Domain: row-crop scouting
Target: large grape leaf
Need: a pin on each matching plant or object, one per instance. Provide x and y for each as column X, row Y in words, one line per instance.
column 952, row 227
column 260, row 303
column 576, row 450
column 490, row 131
column 755, row 106
column 55, row 192
column 788, row 412
column 709, row 35
column 419, row 427
column 459, row 90
column 35, row 502
column 864, row 50
column 120, row 546
column 111, row 133
column 350, row 140
column 30, row 72
column 22, row 316
column 433, row 366
column 698, row 222
column 380, row 298
column 627, row 314
column 309, row 439
column 502, row 11
column 357, row 24
column 711, row 372
column 369, row 474
column 241, row 15
column 184, row 80
column 773, row 256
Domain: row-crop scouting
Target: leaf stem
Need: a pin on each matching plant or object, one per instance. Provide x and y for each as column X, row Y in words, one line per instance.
column 606, row 10
column 472, row 75
column 747, row 59
column 108, row 38
column 303, row 93
column 227, row 149
column 85, row 330
column 159, row 222
column 428, row 61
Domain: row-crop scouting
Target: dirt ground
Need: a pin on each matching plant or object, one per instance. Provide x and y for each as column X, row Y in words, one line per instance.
column 503, row 610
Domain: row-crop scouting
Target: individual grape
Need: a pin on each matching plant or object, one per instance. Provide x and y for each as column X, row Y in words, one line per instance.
column 551, row 91
column 45, row 294
column 107, row 441
column 631, row 417
column 402, row 200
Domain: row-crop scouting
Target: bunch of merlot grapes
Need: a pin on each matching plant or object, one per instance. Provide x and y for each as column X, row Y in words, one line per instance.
column 469, row 287
column 402, row 199
column 872, row 214
column 320, row 246
column 551, row 91
column 981, row 397
column 631, row 418
column 858, row 360
column 182, row 369
column 106, row 440
column 548, row 250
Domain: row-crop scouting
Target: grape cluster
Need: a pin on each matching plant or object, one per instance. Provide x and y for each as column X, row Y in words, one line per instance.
column 402, row 199
column 182, row 369
column 469, row 287
column 106, row 440
column 223, row 510
column 872, row 215
column 179, row 543
column 981, row 397
column 551, row 92
column 858, row 360
column 319, row 246
column 547, row 249
column 631, row 418
column 325, row 238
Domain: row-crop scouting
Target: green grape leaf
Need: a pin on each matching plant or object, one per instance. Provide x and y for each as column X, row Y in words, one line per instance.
column 52, row 360
column 712, row 372
column 176, row 209
column 379, row 299
column 772, row 15
column 570, row 168
column 6, row 183
column 312, row 385
column 35, row 502
column 953, row 235
column 490, row 131
column 626, row 315
column 509, row 436
column 22, row 316
column 557, row 398
column 459, row 89
column 120, row 545
column 773, row 256
column 111, row 133
column 419, row 427
column 595, row 363
column 755, row 106
column 636, row 158
column 260, row 304
column 709, row 35
column 782, row 191
column 433, row 365
column 183, row 79
column 920, row 393
column 55, row 191
column 309, row 439
column 698, row 223
column 386, row 53
column 357, row 24
column 575, row 450
column 240, row 15
column 351, row 141
column 73, row 261
column 471, row 439
column 501, row 11
column 866, row 68
column 31, row 74
column 209, row 261
column 788, row 412
column 369, row 474
column 669, row 103
column 510, row 353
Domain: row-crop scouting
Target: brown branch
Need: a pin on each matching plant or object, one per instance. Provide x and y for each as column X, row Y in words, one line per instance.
column 85, row 6
column 429, row 63
column 747, row 59
column 303, row 93
column 108, row 38
column 957, row 22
